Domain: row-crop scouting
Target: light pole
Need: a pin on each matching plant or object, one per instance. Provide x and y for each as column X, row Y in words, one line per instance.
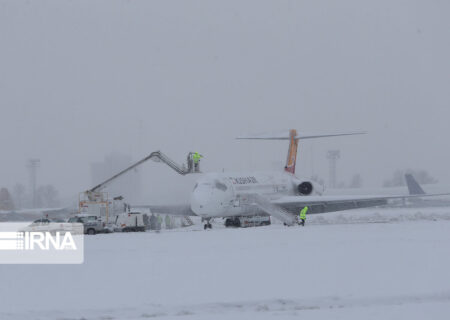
column 333, row 156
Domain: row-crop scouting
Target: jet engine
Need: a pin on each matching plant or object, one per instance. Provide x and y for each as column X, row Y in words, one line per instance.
column 305, row 188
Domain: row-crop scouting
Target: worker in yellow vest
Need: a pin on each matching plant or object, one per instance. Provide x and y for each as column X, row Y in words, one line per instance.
column 168, row 222
column 303, row 216
column 196, row 157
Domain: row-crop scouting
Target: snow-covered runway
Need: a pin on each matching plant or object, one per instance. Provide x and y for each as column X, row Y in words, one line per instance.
column 333, row 268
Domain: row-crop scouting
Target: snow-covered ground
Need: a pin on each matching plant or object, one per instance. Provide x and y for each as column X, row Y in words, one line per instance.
column 363, row 264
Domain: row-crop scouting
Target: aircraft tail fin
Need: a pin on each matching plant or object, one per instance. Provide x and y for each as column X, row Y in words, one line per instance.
column 291, row 159
column 414, row 187
column 293, row 136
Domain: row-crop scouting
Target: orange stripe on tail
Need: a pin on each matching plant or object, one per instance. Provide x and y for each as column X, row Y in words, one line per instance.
column 292, row 152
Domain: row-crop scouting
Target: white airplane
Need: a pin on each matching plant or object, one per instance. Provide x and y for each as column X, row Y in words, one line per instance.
column 279, row 194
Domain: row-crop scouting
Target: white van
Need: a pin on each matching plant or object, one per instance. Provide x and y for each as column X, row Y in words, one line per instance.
column 129, row 221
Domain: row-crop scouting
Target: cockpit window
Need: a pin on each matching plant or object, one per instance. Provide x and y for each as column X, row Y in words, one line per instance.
column 221, row 186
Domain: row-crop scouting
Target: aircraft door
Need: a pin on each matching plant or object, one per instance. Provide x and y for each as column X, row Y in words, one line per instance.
column 237, row 201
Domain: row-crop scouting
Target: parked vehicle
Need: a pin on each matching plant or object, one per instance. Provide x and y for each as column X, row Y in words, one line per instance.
column 130, row 222
column 92, row 224
column 47, row 225
column 248, row 221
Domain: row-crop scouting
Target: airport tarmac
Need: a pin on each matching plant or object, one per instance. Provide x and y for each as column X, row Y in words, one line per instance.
column 388, row 263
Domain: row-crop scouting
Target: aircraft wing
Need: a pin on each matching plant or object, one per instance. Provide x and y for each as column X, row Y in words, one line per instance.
column 320, row 204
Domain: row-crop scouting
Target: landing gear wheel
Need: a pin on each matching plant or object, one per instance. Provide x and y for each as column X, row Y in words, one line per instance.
column 207, row 226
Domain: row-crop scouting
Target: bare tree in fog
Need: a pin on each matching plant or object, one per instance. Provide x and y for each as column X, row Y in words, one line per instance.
column 398, row 178
column 19, row 195
column 6, row 202
column 47, row 197
column 319, row 180
column 341, row 185
column 356, row 181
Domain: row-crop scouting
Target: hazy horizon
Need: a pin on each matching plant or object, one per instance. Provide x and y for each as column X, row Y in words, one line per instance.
column 79, row 80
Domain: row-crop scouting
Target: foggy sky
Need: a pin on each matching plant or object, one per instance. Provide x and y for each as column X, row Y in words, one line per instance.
column 81, row 79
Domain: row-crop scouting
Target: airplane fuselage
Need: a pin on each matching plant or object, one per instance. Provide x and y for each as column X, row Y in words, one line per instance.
column 230, row 194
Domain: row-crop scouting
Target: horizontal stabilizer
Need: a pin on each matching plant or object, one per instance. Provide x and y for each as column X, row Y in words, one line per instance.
column 300, row 135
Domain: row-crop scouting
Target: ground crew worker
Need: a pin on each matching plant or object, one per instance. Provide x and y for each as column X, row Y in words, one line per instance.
column 153, row 222
column 168, row 222
column 196, row 157
column 159, row 221
column 303, row 216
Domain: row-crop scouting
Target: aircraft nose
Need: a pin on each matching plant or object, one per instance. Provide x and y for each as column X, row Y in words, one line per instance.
column 199, row 202
column 208, row 200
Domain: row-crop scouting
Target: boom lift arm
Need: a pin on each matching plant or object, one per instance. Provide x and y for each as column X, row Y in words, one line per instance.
column 156, row 156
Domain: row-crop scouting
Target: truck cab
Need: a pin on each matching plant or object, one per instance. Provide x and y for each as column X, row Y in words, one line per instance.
column 92, row 224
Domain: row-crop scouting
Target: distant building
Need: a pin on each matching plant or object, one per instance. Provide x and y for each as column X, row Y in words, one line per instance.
column 129, row 185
